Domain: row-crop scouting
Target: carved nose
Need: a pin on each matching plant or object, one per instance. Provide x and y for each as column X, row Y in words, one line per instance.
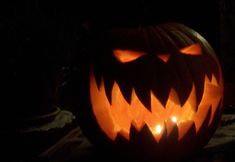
column 164, row 57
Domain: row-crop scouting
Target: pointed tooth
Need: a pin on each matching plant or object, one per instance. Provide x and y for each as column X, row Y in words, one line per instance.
column 138, row 111
column 183, row 93
column 207, row 80
column 163, row 135
column 144, row 137
column 187, row 136
column 121, row 138
column 126, row 90
column 156, row 107
column 134, row 134
column 202, row 117
column 173, row 106
column 125, row 134
column 161, row 94
column 208, row 77
column 172, row 130
column 190, row 106
column 199, row 83
column 120, row 109
column 212, row 95
column 108, row 83
column 214, row 81
column 144, row 96
column 183, row 81
column 101, row 108
column 158, row 130
column 186, row 129
column 173, row 97
column 211, row 64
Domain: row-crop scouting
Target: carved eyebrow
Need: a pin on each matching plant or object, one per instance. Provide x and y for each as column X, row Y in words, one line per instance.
column 125, row 56
column 194, row 49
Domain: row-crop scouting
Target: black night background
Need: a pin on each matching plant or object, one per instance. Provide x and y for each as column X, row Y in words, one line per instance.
column 42, row 44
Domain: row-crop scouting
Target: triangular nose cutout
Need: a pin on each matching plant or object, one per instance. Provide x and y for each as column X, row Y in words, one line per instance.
column 164, row 57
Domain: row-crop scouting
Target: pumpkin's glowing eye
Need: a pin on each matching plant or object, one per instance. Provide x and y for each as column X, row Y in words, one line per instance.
column 125, row 56
column 194, row 49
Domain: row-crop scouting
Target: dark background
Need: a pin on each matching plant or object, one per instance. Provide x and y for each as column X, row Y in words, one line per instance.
column 39, row 38
column 42, row 39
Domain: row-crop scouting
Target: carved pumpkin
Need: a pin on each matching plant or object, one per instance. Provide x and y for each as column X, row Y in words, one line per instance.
column 154, row 89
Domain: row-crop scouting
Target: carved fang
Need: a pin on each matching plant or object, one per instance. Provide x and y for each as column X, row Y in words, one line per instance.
column 119, row 116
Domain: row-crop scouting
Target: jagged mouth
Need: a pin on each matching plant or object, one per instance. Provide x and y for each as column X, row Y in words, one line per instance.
column 118, row 116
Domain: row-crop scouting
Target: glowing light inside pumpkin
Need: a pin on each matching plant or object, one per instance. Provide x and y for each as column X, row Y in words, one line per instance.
column 158, row 129
column 125, row 56
column 174, row 119
column 194, row 49
column 118, row 116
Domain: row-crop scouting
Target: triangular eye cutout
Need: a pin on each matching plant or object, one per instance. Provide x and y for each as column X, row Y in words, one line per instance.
column 194, row 49
column 125, row 56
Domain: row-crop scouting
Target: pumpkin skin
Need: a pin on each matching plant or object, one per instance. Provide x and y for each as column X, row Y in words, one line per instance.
column 152, row 90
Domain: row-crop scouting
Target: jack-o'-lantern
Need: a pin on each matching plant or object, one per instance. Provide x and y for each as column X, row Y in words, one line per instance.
column 156, row 88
